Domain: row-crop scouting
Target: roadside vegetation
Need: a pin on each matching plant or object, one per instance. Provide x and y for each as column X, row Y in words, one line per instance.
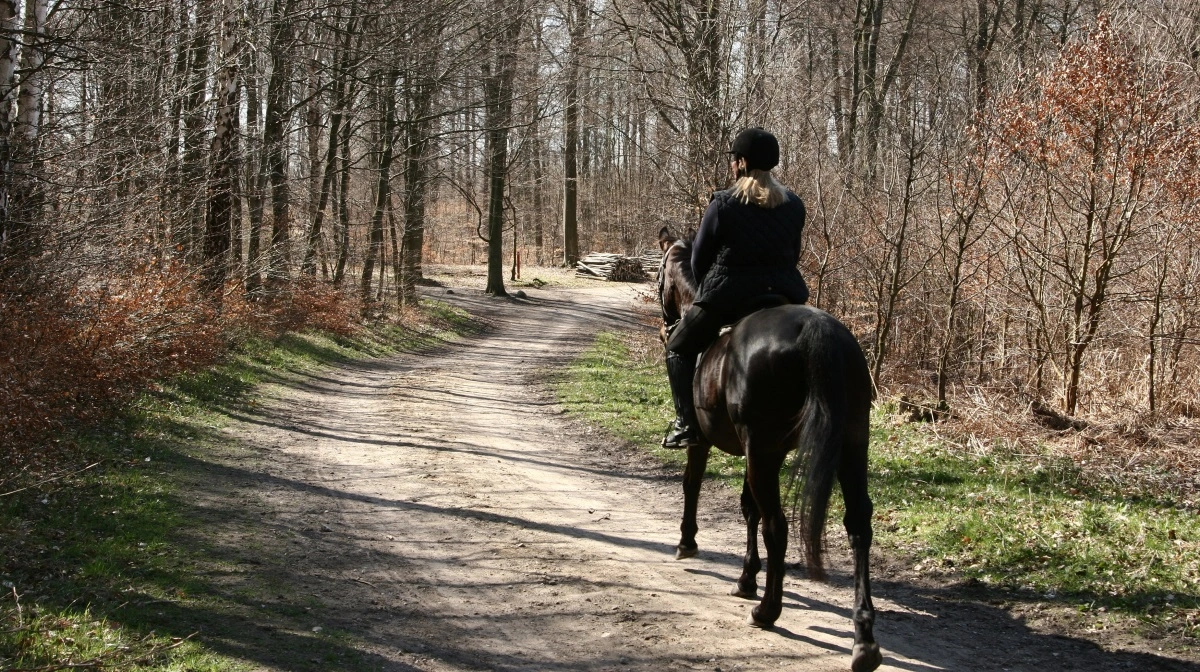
column 1028, row 525
column 93, row 574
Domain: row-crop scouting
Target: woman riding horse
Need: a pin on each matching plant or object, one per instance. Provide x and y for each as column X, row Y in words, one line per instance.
column 747, row 247
column 789, row 379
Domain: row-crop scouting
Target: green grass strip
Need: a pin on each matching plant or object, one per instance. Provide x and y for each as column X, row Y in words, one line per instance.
column 620, row 385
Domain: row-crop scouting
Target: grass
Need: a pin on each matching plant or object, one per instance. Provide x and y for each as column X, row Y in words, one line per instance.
column 1030, row 525
column 620, row 385
column 1027, row 526
column 93, row 568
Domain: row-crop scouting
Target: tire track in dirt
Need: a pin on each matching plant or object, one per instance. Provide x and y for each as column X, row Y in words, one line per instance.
column 440, row 513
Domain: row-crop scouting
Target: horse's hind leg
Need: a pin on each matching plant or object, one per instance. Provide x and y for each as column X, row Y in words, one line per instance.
column 853, row 477
column 747, row 583
column 762, row 475
column 693, row 477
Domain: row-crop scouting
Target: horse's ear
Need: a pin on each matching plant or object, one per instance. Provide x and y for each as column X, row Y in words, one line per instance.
column 690, row 234
column 665, row 239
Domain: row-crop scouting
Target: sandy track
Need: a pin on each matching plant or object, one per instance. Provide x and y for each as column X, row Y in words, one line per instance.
column 440, row 513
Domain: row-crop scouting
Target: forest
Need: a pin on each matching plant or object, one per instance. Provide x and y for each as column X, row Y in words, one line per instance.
column 1001, row 193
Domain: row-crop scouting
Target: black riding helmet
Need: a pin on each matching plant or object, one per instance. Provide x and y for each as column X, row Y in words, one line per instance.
column 759, row 148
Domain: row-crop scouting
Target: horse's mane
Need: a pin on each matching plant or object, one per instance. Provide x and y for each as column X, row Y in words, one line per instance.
column 677, row 286
column 684, row 266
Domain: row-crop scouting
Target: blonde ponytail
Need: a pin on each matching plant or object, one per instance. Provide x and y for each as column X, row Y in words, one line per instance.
column 760, row 188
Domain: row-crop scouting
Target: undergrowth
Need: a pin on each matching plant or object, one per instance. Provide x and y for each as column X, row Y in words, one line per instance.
column 75, row 351
column 93, row 574
column 1029, row 526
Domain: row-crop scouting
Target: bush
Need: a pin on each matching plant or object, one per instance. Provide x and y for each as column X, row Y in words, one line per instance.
column 71, row 354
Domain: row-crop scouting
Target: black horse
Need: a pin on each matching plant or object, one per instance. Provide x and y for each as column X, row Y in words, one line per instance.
column 786, row 377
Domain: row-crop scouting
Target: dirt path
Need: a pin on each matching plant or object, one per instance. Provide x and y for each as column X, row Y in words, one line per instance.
column 440, row 513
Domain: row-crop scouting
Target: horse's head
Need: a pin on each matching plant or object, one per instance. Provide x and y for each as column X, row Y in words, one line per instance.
column 676, row 283
column 666, row 239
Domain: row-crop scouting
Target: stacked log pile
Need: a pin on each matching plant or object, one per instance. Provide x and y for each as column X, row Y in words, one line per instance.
column 651, row 261
column 614, row 267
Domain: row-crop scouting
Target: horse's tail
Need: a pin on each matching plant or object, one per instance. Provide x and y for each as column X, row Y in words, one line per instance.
column 821, row 434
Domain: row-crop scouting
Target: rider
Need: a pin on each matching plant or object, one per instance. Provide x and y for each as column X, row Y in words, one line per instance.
column 748, row 246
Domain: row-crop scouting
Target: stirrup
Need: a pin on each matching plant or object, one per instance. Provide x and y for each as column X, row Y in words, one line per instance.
column 680, row 435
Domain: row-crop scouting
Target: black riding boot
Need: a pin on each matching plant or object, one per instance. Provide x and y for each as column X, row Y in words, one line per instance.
column 685, row 431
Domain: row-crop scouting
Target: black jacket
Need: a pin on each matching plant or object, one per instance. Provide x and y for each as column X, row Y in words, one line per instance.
column 744, row 251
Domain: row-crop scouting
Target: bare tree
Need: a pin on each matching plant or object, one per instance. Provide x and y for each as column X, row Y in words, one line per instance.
column 499, row 71
column 223, row 159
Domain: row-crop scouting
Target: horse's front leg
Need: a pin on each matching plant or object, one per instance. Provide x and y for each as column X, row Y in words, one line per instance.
column 747, row 583
column 693, row 477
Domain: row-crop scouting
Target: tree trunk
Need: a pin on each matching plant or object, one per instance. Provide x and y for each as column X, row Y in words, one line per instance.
column 274, row 156
column 189, row 235
column 423, row 86
column 986, row 29
column 577, row 18
column 570, row 177
column 869, row 89
column 341, row 57
column 11, row 232
column 895, row 278
column 1161, row 272
column 387, row 96
column 25, row 192
column 343, row 204
column 538, row 205
column 416, row 186
column 256, row 183
column 219, row 221
column 498, row 85
column 497, row 141
column 316, row 178
column 309, row 265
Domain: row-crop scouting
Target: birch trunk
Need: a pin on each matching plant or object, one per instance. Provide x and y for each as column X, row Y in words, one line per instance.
column 9, row 53
column 223, row 161
column 25, row 193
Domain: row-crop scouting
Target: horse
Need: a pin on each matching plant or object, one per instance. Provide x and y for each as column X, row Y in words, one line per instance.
column 784, row 377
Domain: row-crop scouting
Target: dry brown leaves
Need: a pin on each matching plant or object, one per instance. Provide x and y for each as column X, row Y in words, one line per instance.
column 1141, row 455
column 74, row 354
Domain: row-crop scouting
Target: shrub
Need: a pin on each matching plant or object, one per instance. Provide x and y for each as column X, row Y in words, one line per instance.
column 75, row 353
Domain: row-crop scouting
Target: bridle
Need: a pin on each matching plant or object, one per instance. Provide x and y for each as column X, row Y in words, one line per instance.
column 662, row 282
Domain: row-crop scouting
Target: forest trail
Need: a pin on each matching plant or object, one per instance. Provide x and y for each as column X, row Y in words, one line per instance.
column 439, row 512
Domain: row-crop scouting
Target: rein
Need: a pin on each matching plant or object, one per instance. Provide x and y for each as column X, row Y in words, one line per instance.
column 662, row 281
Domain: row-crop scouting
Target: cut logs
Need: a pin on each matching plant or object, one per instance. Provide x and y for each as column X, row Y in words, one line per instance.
column 651, row 261
column 614, row 267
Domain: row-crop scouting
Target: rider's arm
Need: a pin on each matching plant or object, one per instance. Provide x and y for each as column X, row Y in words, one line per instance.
column 704, row 249
column 801, row 229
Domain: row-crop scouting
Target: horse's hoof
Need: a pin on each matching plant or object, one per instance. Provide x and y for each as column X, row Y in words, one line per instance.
column 757, row 622
column 683, row 552
column 866, row 658
column 737, row 591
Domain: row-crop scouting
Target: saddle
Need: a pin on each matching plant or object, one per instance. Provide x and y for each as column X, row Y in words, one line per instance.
column 760, row 302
